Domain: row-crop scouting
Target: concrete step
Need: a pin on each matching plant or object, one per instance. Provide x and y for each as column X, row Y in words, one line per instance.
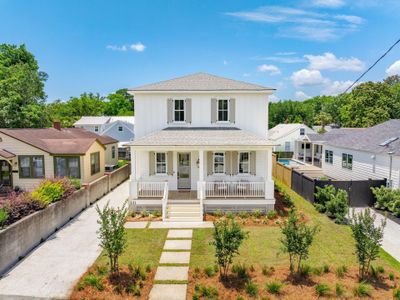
column 183, row 214
column 172, row 201
column 173, row 208
column 183, row 219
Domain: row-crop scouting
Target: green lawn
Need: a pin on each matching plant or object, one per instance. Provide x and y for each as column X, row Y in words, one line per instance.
column 144, row 247
column 333, row 244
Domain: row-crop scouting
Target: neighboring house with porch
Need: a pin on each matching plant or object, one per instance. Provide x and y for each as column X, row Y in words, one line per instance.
column 201, row 144
column 121, row 128
column 286, row 135
column 370, row 153
column 29, row 155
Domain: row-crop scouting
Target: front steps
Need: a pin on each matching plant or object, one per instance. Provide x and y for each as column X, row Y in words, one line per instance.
column 183, row 211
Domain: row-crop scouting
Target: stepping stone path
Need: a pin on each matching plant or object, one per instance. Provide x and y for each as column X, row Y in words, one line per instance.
column 174, row 266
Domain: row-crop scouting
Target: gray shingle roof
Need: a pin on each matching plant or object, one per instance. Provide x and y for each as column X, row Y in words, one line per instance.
column 202, row 136
column 332, row 134
column 201, row 82
column 369, row 139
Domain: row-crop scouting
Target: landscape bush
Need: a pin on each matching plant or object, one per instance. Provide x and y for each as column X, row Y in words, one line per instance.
column 52, row 190
column 387, row 199
column 322, row 196
column 322, row 289
column 274, row 287
column 18, row 205
column 333, row 202
column 3, row 217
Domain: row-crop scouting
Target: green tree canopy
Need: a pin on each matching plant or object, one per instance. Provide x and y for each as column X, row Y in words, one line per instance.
column 119, row 103
column 22, row 95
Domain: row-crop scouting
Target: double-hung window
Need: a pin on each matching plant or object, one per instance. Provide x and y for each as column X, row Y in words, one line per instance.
column 179, row 110
column 219, row 163
column 223, row 110
column 347, row 161
column 329, row 156
column 113, row 152
column 302, row 131
column 244, row 163
column 96, row 128
column 31, row 166
column 67, row 166
column 161, row 163
column 120, row 128
column 94, row 163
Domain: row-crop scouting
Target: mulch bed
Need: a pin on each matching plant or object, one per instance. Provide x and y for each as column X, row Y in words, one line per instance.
column 139, row 218
column 110, row 284
column 293, row 288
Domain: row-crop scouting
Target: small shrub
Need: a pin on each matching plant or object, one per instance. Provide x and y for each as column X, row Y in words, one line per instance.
column 267, row 271
column 323, row 195
column 339, row 289
column 3, row 217
column 391, row 276
column 287, row 200
column 240, row 270
column 385, row 197
column 272, row 214
column 209, row 271
column 19, row 205
column 376, row 271
column 322, row 289
column 305, row 271
column 256, row 213
column 137, row 272
column 144, row 213
column 239, row 298
column 341, row 271
column 317, row 271
column 101, row 270
column 219, row 213
column 196, row 272
column 48, row 192
column 243, row 214
column 338, row 207
column 91, row 280
column 396, row 294
column 148, row 268
column 230, row 215
column 206, row 292
column 251, row 289
column 325, row 268
column 157, row 213
column 362, row 290
column 251, row 268
column 274, row 287
column 76, row 183
column 195, row 297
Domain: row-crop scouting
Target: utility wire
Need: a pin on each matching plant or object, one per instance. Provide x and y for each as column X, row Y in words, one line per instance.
column 373, row 65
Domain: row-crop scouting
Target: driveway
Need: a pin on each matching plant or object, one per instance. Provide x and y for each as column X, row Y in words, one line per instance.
column 391, row 238
column 53, row 268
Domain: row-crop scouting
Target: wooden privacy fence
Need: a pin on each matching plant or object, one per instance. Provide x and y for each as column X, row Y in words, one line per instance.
column 281, row 172
column 358, row 191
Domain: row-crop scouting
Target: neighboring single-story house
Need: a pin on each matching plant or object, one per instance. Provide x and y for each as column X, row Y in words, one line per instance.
column 121, row 128
column 287, row 134
column 30, row 154
column 365, row 153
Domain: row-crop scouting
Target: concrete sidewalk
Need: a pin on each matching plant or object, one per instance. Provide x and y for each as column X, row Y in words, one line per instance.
column 391, row 237
column 53, row 268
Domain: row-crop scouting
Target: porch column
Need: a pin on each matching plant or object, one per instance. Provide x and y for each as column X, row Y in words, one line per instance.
column 312, row 153
column 200, row 185
column 133, row 186
column 269, row 183
column 304, row 151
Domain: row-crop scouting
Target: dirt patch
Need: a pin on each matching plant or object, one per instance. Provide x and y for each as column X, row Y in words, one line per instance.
column 293, row 288
column 119, row 286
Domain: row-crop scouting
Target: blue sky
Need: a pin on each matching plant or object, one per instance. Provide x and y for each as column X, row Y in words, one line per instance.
column 302, row 48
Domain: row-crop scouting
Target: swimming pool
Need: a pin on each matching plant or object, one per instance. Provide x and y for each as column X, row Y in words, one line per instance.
column 289, row 162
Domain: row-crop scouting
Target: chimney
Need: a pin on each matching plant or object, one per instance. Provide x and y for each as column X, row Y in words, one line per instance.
column 57, row 125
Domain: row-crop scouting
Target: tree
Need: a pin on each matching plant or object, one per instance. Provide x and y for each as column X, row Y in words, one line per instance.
column 368, row 239
column 297, row 239
column 112, row 232
column 323, row 119
column 22, row 95
column 337, row 207
column 228, row 237
column 119, row 103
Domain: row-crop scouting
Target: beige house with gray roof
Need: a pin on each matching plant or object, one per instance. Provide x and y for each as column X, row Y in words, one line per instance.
column 200, row 145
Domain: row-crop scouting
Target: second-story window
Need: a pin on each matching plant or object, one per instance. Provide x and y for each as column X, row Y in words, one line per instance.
column 179, row 110
column 120, row 128
column 223, row 112
column 96, row 128
column 302, row 131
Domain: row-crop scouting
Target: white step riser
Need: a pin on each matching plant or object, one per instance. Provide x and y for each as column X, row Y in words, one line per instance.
column 183, row 219
column 183, row 214
column 173, row 209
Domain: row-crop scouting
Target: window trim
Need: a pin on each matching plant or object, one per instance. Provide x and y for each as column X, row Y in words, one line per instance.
column 166, row 164
column 30, row 167
column 180, row 110
column 345, row 162
column 67, row 171
column 302, row 130
column 289, row 144
column 113, row 152
column 248, row 164
column 91, row 171
column 96, row 128
column 227, row 110
column 223, row 163
column 331, row 156
column 122, row 128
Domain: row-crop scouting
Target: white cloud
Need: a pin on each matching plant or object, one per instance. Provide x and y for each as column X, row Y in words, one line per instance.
column 328, row 61
column 137, row 47
column 273, row 98
column 329, row 3
column 394, row 68
column 286, row 59
column 300, row 95
column 303, row 24
column 273, row 70
column 285, row 53
column 305, row 77
column 336, row 87
column 246, row 74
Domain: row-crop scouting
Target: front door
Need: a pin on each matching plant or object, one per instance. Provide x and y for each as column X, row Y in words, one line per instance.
column 184, row 171
column 5, row 173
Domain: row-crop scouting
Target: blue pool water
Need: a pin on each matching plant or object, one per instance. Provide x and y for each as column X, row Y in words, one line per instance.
column 284, row 161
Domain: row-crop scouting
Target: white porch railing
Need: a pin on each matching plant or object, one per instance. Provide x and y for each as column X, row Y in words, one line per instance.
column 151, row 189
column 234, row 189
column 164, row 201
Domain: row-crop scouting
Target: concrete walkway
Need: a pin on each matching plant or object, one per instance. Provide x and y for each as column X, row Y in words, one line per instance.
column 52, row 269
column 175, row 258
column 391, row 238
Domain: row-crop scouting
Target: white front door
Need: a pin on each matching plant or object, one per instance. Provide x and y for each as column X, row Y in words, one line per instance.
column 184, row 171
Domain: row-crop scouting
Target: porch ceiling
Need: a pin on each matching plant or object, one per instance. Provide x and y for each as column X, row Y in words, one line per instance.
column 202, row 137
column 6, row 154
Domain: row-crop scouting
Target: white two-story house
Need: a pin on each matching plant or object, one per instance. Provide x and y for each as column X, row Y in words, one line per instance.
column 200, row 145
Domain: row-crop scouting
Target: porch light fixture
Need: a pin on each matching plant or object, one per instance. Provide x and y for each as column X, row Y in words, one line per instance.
column 198, row 162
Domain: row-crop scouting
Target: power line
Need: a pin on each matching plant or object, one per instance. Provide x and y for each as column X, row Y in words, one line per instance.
column 373, row 65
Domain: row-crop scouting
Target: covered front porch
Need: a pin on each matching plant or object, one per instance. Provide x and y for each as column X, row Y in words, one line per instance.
column 6, row 163
column 308, row 152
column 215, row 176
